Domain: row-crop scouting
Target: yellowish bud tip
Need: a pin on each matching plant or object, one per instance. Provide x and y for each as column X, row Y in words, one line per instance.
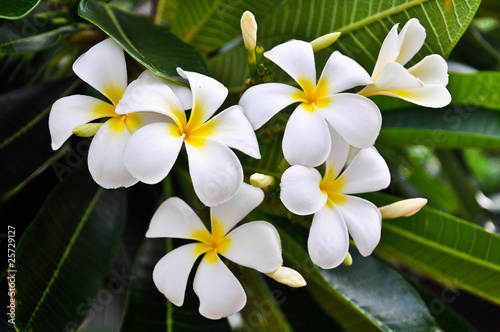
column 87, row 130
column 249, row 30
column 261, row 180
column 324, row 41
column 347, row 260
column 404, row 208
column 287, row 276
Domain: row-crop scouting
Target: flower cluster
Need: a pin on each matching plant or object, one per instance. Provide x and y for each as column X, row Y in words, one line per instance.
column 140, row 132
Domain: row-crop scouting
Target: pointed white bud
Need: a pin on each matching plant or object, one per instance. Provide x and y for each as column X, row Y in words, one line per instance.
column 261, row 180
column 88, row 129
column 404, row 208
column 287, row 276
column 249, row 30
column 324, row 41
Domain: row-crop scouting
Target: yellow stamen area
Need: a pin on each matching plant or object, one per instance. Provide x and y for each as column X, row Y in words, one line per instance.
column 102, row 109
column 312, row 96
column 211, row 244
column 331, row 187
column 195, row 131
column 113, row 92
column 131, row 121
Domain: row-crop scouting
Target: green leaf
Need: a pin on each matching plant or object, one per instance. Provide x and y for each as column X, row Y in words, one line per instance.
column 30, row 34
column 366, row 296
column 66, row 252
column 444, row 248
column 449, row 127
column 16, row 9
column 152, row 45
column 24, row 130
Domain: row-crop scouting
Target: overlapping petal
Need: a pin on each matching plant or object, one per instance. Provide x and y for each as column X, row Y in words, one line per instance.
column 152, row 151
column 328, row 240
column 364, row 223
column 393, row 77
column 231, row 128
column 433, row 69
column 300, row 191
column 257, row 245
column 215, row 170
column 103, row 67
column 389, row 51
column 338, row 154
column 175, row 219
column 219, row 291
column 367, row 172
column 182, row 92
column 342, row 73
column 228, row 214
column 70, row 112
column 105, row 158
column 429, row 96
column 411, row 40
column 171, row 273
column 296, row 57
column 356, row 118
column 261, row 102
column 306, row 140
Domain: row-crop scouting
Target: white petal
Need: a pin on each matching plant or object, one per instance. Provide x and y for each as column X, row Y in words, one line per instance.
column 220, row 293
column 367, row 172
column 105, row 157
column 175, row 219
column 356, row 118
column 171, row 273
column 231, row 128
column 328, row 241
column 296, row 57
column 429, row 95
column 215, row 170
column 154, row 96
column 389, row 51
column 411, row 39
column 364, row 222
column 306, row 140
column 228, row 214
column 433, row 69
column 182, row 92
column 395, row 77
column 300, row 192
column 342, row 73
column 338, row 153
column 70, row 112
column 261, row 102
column 208, row 96
column 103, row 67
column 152, row 151
column 257, row 245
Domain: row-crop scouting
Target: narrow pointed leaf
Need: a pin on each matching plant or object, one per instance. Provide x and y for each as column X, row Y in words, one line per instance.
column 16, row 9
column 66, row 252
column 141, row 39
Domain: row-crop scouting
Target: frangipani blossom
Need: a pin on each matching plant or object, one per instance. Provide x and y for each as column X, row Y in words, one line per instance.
column 423, row 84
column 215, row 170
column 255, row 244
column 307, row 139
column 103, row 67
column 336, row 213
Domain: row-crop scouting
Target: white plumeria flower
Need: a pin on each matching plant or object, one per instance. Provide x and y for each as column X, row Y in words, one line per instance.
column 255, row 244
column 307, row 140
column 103, row 67
column 215, row 169
column 336, row 212
column 423, row 84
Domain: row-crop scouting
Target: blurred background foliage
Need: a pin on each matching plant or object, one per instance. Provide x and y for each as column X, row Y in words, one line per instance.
column 82, row 260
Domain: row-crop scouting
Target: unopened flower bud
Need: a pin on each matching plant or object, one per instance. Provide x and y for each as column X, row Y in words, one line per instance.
column 261, row 180
column 249, row 33
column 404, row 208
column 88, row 129
column 347, row 260
column 324, row 41
column 287, row 276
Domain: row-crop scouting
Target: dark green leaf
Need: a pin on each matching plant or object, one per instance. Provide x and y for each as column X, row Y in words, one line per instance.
column 152, row 45
column 24, row 133
column 450, row 127
column 16, row 9
column 30, row 34
column 66, row 252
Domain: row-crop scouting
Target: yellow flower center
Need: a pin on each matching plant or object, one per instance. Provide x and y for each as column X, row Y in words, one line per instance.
column 211, row 244
column 312, row 96
column 332, row 187
column 194, row 131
